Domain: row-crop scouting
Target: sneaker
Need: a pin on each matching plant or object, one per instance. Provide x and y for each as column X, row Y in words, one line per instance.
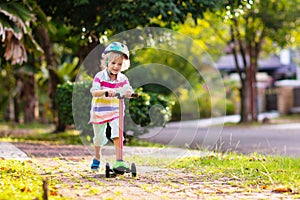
column 95, row 165
column 120, row 167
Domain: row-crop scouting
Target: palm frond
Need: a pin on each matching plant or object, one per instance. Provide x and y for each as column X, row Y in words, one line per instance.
column 15, row 22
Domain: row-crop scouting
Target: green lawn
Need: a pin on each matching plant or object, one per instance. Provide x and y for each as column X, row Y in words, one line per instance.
column 247, row 171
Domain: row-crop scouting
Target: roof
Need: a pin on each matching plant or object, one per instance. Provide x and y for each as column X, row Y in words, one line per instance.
column 272, row 63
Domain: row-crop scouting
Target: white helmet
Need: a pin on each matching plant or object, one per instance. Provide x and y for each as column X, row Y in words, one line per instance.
column 117, row 47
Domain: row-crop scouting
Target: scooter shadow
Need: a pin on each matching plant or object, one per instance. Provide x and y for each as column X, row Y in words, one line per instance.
column 102, row 176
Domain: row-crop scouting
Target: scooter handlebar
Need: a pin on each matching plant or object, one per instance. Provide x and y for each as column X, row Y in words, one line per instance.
column 119, row 96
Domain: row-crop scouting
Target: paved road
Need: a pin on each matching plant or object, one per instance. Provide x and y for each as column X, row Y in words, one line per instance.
column 283, row 139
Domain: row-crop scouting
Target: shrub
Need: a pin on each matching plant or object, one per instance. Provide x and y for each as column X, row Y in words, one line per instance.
column 148, row 110
column 81, row 106
column 63, row 100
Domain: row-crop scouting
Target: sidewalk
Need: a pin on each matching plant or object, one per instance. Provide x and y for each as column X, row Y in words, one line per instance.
column 9, row 151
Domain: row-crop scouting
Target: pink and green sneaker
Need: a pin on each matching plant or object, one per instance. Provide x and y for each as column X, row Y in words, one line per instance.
column 120, row 167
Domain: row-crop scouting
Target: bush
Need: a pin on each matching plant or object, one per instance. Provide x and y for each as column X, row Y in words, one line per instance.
column 74, row 103
column 149, row 110
column 82, row 105
column 63, row 100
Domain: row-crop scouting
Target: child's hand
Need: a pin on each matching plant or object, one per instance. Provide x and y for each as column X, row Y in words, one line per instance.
column 111, row 93
column 128, row 93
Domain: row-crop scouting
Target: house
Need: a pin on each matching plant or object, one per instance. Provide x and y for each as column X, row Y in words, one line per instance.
column 283, row 71
column 277, row 67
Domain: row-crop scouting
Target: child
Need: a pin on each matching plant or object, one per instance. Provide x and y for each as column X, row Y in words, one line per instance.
column 110, row 80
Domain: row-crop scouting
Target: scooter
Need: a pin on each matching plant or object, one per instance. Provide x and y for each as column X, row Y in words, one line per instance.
column 120, row 170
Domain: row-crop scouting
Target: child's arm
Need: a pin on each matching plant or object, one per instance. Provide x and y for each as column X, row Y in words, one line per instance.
column 99, row 93
column 126, row 90
column 128, row 93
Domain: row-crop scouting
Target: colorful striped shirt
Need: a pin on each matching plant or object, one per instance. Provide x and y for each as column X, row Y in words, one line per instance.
column 105, row 109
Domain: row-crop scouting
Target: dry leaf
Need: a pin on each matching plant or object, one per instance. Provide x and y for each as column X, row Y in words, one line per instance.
column 25, row 189
column 253, row 158
column 264, row 187
column 282, row 190
column 219, row 191
column 53, row 193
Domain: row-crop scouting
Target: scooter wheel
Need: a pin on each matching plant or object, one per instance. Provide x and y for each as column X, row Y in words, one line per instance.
column 107, row 170
column 133, row 170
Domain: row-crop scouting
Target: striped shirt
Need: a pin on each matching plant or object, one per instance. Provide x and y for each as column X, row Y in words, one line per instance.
column 105, row 109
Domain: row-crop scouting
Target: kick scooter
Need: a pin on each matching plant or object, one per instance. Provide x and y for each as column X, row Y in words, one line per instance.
column 120, row 170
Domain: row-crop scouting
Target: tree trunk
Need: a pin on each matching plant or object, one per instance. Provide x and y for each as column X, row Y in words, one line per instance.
column 53, row 78
column 252, row 81
column 17, row 99
column 245, row 96
column 16, row 109
column 29, row 97
column 237, row 45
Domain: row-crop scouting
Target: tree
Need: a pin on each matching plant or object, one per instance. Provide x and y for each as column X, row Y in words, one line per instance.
column 251, row 22
column 105, row 18
column 16, row 34
column 85, row 21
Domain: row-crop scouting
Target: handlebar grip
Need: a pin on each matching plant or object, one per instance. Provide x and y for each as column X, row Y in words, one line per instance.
column 133, row 95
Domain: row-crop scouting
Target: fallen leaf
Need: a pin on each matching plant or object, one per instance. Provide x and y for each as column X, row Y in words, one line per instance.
column 219, row 191
column 282, row 190
column 53, row 193
column 25, row 189
column 253, row 158
column 264, row 187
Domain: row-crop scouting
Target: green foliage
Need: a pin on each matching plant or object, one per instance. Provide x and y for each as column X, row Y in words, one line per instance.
column 149, row 110
column 17, row 17
column 8, row 83
column 64, row 102
column 82, row 105
column 192, row 104
column 113, row 16
column 260, row 19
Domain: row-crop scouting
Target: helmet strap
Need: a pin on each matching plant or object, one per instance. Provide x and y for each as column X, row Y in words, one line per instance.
column 109, row 72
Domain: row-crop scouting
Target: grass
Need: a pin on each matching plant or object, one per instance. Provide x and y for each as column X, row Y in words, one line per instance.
column 19, row 180
column 255, row 171
column 35, row 132
column 67, row 137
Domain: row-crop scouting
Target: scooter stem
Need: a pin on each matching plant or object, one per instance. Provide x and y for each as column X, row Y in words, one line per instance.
column 121, row 127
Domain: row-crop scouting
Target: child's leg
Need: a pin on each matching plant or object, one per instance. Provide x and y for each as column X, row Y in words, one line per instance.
column 97, row 150
column 115, row 136
column 99, row 139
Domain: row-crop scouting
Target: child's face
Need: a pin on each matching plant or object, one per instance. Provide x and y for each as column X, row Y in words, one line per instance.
column 115, row 66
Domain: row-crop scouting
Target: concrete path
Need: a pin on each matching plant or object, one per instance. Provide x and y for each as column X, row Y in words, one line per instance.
column 9, row 151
